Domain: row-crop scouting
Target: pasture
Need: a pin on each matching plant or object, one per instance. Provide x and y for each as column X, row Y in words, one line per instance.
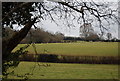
column 68, row 70
column 76, row 48
column 64, row 71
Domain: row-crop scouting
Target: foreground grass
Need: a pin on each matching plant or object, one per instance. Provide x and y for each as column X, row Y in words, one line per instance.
column 66, row 71
column 79, row 48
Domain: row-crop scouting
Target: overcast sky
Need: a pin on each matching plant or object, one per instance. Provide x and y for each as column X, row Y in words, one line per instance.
column 47, row 25
column 74, row 31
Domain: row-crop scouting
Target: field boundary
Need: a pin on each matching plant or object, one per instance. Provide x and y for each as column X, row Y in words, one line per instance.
column 70, row 59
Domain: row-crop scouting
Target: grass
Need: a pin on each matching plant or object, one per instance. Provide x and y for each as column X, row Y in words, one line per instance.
column 66, row 71
column 78, row 48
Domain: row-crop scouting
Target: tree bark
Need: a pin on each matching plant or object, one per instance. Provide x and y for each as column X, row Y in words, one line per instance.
column 9, row 44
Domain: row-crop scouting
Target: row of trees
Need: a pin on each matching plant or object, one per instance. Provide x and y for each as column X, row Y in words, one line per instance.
column 40, row 36
column 87, row 33
column 37, row 35
column 74, row 39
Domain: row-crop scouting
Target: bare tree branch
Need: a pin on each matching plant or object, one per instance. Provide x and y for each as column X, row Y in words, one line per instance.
column 15, row 9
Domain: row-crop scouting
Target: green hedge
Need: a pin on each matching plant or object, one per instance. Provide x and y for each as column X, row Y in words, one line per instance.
column 71, row 59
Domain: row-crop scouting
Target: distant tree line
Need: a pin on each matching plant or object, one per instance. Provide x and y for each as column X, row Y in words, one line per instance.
column 74, row 39
column 39, row 35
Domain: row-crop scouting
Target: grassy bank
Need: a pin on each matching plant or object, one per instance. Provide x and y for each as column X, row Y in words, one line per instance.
column 76, row 49
column 65, row 71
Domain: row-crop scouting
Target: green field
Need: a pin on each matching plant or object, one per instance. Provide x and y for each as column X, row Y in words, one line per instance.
column 66, row 71
column 78, row 48
column 69, row 71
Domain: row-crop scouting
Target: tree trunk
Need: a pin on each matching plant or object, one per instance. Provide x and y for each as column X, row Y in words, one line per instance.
column 9, row 44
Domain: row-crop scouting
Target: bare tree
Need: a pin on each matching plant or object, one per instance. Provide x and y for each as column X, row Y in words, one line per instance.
column 86, row 30
column 29, row 13
column 109, row 36
column 70, row 12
